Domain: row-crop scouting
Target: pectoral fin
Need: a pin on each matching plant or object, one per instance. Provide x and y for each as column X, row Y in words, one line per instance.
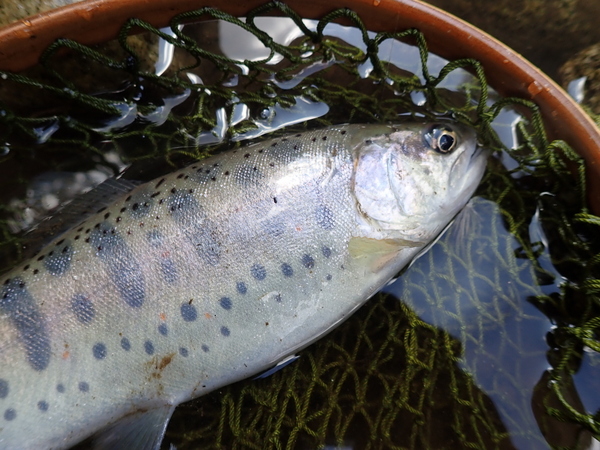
column 378, row 251
column 143, row 430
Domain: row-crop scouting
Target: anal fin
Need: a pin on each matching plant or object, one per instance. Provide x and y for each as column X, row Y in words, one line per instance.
column 142, row 430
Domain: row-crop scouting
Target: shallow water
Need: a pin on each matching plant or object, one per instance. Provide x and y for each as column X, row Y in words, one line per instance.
column 462, row 319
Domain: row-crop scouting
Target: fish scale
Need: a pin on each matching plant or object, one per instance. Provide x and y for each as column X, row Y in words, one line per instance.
column 205, row 277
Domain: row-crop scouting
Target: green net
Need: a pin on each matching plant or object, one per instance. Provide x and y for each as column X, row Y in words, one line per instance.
column 489, row 341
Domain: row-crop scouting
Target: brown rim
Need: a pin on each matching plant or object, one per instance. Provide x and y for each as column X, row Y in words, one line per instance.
column 94, row 21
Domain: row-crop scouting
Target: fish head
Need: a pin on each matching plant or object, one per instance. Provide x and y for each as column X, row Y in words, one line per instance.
column 411, row 181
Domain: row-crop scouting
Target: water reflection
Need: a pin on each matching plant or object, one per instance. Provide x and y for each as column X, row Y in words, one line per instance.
column 471, row 285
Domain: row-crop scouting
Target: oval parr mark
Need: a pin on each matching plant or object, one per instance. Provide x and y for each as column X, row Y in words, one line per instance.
column 83, row 308
column 99, row 350
column 169, row 271
column 287, row 270
column 60, row 388
column 241, row 287
column 197, row 229
column 121, row 264
column 258, row 272
column 205, row 348
column 10, row 414
column 188, row 312
column 21, row 309
column 324, row 217
column 3, row 388
column 326, row 251
column 125, row 344
column 83, row 386
column 183, row 352
column 149, row 347
column 225, row 331
column 58, row 261
column 154, row 238
column 43, row 405
column 308, row 261
column 163, row 329
column 225, row 303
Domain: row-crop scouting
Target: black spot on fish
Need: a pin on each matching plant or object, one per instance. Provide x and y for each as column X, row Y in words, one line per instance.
column 258, row 272
column 10, row 414
column 149, row 347
column 328, row 277
column 22, row 311
column 99, row 350
column 287, row 270
column 225, row 303
column 188, row 312
column 163, row 329
column 247, row 176
column 324, row 217
column 121, row 264
column 83, row 386
column 3, row 388
column 225, row 331
column 326, row 251
column 42, row 406
column 205, row 348
column 60, row 388
column 183, row 352
column 125, row 344
column 308, row 261
column 142, row 204
column 83, row 308
column 324, row 138
column 241, row 287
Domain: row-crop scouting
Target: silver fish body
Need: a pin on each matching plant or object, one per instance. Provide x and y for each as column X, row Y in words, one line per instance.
column 215, row 273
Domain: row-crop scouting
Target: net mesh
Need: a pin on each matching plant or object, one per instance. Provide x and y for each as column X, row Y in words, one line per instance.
column 387, row 378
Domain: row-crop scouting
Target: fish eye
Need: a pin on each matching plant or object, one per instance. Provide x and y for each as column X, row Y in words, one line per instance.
column 441, row 139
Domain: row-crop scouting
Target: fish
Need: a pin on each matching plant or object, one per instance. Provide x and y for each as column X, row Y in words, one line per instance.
column 215, row 273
